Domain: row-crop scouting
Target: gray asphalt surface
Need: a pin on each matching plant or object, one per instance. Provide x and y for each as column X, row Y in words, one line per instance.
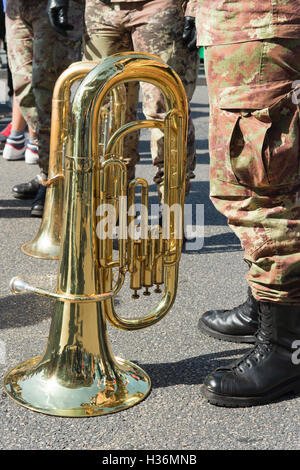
column 173, row 352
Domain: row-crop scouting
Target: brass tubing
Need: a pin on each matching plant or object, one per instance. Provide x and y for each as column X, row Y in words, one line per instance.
column 131, row 206
column 148, row 265
column 19, row 286
column 172, row 89
column 136, row 269
column 82, row 144
column 159, row 265
column 166, row 302
column 105, row 166
column 131, row 127
column 174, row 182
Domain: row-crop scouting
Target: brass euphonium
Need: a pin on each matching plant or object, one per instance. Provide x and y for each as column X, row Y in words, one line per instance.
column 78, row 374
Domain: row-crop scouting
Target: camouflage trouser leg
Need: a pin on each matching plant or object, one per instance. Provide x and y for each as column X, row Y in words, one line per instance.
column 106, row 41
column 155, row 27
column 255, row 158
column 20, row 52
column 36, row 67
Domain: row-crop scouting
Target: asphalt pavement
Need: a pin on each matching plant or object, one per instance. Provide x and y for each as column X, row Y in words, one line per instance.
column 173, row 352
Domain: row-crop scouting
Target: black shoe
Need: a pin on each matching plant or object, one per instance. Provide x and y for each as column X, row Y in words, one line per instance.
column 269, row 371
column 238, row 325
column 26, row 190
column 37, row 208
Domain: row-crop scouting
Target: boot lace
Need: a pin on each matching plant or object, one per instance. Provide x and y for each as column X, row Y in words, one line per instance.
column 246, row 307
column 263, row 343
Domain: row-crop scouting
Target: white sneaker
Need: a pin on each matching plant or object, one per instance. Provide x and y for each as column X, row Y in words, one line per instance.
column 31, row 155
column 13, row 150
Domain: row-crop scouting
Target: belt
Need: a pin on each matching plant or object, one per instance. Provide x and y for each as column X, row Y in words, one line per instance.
column 120, row 5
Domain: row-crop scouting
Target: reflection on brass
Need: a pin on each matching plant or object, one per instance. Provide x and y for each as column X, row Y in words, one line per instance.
column 78, row 375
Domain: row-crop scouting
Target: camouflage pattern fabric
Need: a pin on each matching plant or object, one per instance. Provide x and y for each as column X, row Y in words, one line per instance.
column 254, row 141
column 37, row 56
column 150, row 26
column 189, row 5
column 232, row 21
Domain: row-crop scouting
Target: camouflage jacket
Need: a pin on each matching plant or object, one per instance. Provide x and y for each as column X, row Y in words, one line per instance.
column 232, row 21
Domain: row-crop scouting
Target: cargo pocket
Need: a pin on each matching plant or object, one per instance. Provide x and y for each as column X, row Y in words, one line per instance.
column 243, row 133
column 263, row 148
column 282, row 144
column 222, row 127
column 248, row 150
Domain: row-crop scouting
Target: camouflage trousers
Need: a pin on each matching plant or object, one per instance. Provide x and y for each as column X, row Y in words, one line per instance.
column 37, row 56
column 155, row 27
column 255, row 158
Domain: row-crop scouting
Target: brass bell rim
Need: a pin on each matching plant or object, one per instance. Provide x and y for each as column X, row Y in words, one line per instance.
column 27, row 249
column 80, row 412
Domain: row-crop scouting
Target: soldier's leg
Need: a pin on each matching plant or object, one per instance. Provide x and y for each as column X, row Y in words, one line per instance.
column 254, row 149
column 158, row 30
column 49, row 63
column 105, row 35
column 20, row 52
column 240, row 136
column 255, row 183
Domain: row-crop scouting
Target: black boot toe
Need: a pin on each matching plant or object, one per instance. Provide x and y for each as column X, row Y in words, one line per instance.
column 26, row 190
column 237, row 325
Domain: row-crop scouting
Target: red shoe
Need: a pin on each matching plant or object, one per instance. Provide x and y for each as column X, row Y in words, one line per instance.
column 5, row 132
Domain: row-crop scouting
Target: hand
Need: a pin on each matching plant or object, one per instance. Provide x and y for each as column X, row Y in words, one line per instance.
column 57, row 11
column 189, row 34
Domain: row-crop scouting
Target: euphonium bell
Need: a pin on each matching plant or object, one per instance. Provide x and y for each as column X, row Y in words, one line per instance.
column 78, row 374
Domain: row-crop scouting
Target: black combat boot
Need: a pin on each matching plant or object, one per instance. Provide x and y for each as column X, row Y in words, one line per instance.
column 269, row 371
column 237, row 325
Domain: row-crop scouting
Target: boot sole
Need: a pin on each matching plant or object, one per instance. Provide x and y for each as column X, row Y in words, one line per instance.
column 244, row 402
column 36, row 213
column 223, row 337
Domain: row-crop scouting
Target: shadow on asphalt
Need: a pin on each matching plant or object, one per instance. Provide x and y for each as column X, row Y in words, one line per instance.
column 224, row 242
column 199, row 194
column 191, row 371
column 202, row 144
column 15, row 208
column 24, row 310
column 198, row 105
column 197, row 114
column 194, row 370
column 202, row 159
column 145, row 154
